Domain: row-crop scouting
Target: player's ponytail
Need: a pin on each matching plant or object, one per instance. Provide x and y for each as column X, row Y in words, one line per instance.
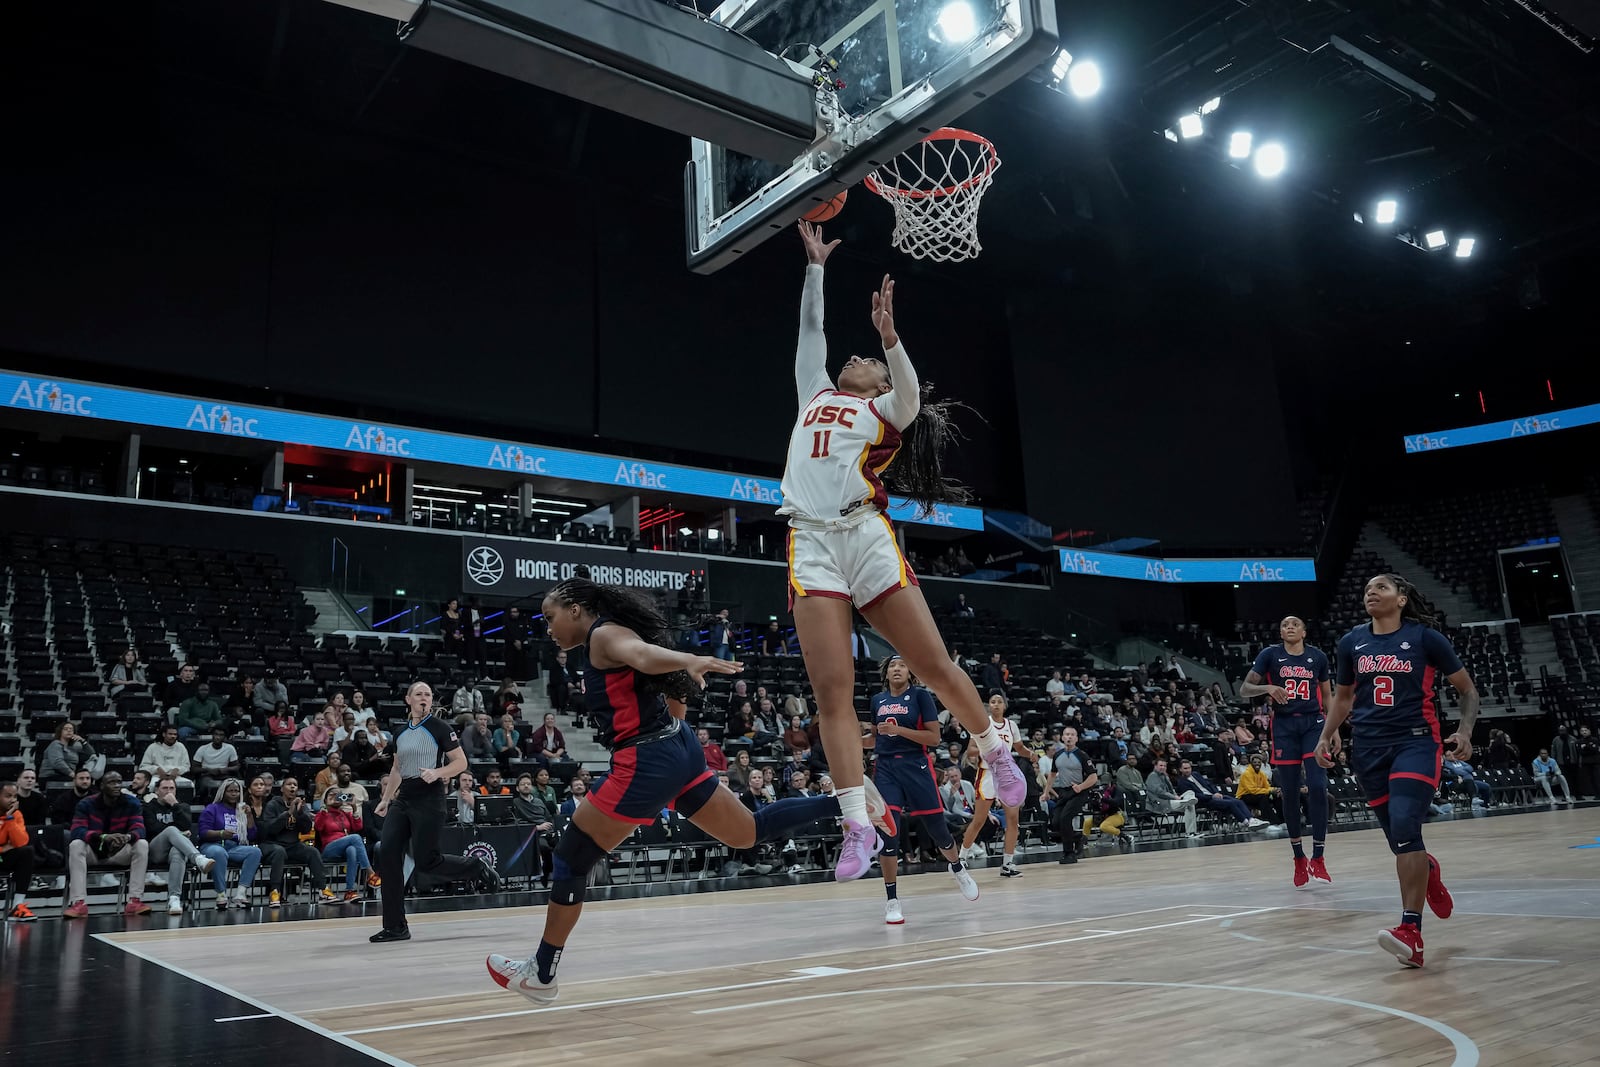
column 918, row 474
column 1417, row 607
column 633, row 610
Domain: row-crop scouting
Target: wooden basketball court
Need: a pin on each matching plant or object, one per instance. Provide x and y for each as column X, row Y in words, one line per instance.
column 1196, row 956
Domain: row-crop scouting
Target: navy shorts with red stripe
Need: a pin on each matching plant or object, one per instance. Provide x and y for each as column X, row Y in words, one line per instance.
column 1378, row 764
column 1294, row 738
column 644, row 779
column 908, row 785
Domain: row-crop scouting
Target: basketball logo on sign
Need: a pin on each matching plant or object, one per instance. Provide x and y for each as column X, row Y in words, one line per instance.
column 485, row 566
column 482, row 850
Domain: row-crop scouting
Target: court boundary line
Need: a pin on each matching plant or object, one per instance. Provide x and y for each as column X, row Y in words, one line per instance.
column 1466, row 1049
column 266, row 1009
column 679, row 993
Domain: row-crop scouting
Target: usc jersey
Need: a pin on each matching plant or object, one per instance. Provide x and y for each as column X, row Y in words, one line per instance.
column 838, row 452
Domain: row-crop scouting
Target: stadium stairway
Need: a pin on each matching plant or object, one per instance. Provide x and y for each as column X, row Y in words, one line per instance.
column 1580, row 538
column 1457, row 609
column 581, row 745
column 332, row 612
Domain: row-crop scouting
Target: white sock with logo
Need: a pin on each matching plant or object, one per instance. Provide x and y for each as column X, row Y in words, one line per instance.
column 989, row 740
column 853, row 804
column 1010, row 856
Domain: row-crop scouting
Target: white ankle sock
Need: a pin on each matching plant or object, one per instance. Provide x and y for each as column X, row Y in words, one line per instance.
column 989, row 740
column 853, row 804
column 19, row 900
column 1009, row 857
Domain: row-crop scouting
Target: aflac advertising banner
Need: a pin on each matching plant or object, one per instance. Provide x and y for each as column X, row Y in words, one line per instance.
column 137, row 407
column 1192, row 571
column 1510, row 430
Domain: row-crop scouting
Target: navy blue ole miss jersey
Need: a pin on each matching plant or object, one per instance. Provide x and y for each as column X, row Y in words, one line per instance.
column 1395, row 678
column 914, row 709
column 1301, row 677
column 621, row 701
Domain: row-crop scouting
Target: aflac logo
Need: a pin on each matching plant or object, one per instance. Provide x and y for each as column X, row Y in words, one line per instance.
column 755, row 491
column 1260, row 572
column 218, row 419
column 1423, row 443
column 377, row 439
column 637, row 474
column 1534, row 424
column 1157, row 571
column 939, row 517
column 50, row 396
column 513, row 458
column 1078, row 563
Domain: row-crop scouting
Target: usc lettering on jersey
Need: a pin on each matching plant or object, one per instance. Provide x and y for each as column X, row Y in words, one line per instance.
column 838, row 452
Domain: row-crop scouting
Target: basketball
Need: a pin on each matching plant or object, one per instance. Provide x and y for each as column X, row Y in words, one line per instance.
column 824, row 212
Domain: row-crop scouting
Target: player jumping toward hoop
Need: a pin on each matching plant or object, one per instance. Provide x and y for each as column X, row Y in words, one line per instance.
column 1387, row 670
column 842, row 547
column 1293, row 676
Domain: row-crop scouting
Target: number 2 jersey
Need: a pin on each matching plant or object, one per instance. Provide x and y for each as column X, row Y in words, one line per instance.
column 1301, row 677
column 1396, row 678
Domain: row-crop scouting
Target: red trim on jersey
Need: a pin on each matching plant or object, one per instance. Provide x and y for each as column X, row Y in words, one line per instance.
column 1430, row 710
column 673, row 803
column 615, row 787
column 624, row 701
column 878, row 456
column 1434, row 781
column 881, row 597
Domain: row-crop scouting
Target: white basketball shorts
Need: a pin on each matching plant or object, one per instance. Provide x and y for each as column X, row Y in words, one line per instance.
column 855, row 559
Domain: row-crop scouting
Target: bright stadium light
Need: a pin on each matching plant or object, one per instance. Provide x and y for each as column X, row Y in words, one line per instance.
column 1239, row 145
column 1211, row 105
column 957, row 23
column 1191, row 126
column 1168, row 134
column 1084, row 79
column 1464, row 247
column 1387, row 210
column 1435, row 239
column 1271, row 159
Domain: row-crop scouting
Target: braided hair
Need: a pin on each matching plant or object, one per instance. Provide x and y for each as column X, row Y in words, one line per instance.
column 1417, row 607
column 919, row 474
column 633, row 610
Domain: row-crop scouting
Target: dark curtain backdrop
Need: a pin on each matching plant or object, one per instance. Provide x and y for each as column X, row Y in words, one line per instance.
column 1142, row 417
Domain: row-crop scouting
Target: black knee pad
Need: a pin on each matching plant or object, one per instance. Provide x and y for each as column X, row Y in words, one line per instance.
column 575, row 856
column 938, row 831
column 1408, row 810
column 891, row 842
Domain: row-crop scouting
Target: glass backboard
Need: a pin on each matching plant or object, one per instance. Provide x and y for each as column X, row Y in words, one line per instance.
column 907, row 67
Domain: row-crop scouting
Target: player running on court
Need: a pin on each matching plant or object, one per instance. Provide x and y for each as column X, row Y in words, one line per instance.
column 987, row 792
column 1386, row 672
column 905, row 722
column 629, row 676
column 1293, row 676
column 842, row 548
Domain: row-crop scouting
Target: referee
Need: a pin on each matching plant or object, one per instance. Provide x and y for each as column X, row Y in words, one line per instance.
column 427, row 755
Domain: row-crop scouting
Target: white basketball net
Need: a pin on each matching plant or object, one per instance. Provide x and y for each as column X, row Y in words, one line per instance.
column 935, row 189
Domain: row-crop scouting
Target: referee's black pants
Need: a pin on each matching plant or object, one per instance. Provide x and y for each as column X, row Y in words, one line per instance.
column 1068, row 805
column 413, row 824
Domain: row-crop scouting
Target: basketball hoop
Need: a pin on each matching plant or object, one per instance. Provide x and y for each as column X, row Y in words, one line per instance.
column 935, row 189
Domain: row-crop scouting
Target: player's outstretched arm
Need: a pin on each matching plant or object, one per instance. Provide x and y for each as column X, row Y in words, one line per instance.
column 811, row 354
column 903, row 402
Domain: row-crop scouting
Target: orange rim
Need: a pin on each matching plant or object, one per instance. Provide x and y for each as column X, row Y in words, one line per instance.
column 944, row 133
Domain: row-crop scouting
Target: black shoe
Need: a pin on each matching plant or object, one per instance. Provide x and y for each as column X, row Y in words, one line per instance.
column 386, row 934
column 1070, row 857
column 489, row 877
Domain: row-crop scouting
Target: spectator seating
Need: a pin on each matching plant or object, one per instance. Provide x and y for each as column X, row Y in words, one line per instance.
column 1456, row 537
column 1577, row 639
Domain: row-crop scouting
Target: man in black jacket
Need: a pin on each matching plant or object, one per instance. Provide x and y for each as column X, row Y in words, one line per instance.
column 284, row 821
column 166, row 827
column 514, row 631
